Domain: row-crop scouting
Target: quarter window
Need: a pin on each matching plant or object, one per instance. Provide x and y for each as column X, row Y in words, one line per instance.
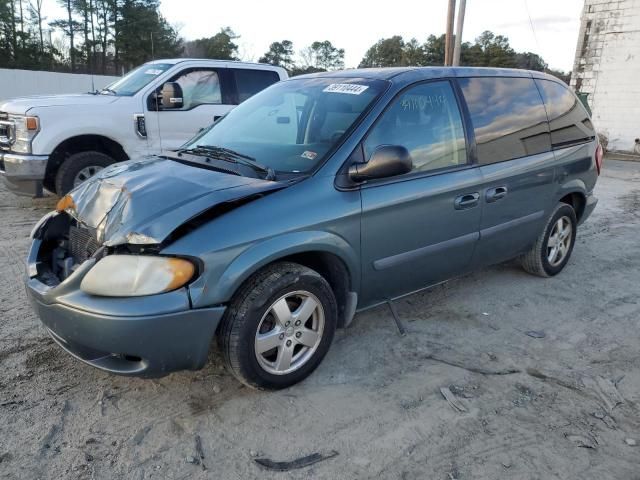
column 508, row 116
column 568, row 119
column 426, row 121
column 250, row 82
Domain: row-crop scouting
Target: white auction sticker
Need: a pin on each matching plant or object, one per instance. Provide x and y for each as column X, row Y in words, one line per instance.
column 153, row 71
column 350, row 88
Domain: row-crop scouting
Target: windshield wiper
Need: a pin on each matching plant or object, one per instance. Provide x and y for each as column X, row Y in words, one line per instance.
column 108, row 90
column 231, row 156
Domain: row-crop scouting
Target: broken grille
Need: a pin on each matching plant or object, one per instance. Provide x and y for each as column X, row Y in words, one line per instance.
column 82, row 245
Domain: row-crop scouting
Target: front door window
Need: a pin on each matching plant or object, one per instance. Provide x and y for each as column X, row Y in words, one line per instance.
column 425, row 119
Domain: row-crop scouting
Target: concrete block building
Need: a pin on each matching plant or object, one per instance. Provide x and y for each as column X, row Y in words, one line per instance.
column 607, row 69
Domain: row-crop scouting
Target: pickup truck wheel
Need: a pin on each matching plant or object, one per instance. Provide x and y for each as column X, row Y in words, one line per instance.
column 279, row 326
column 553, row 248
column 79, row 167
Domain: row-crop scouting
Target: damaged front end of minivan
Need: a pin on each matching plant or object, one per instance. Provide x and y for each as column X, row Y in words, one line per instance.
column 99, row 280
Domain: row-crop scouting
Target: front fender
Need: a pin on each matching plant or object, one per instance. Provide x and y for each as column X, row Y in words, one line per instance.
column 220, row 290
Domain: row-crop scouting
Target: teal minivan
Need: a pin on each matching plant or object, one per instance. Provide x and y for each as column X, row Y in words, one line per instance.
column 321, row 196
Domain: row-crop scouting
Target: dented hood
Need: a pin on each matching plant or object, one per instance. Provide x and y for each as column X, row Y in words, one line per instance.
column 143, row 201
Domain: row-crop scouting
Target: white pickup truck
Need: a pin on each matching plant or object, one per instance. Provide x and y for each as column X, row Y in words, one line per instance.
column 58, row 141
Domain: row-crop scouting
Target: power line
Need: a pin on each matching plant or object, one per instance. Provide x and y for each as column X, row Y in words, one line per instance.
column 533, row 30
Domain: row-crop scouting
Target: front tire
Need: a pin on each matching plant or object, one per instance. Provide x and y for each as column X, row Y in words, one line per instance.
column 279, row 326
column 554, row 246
column 78, row 168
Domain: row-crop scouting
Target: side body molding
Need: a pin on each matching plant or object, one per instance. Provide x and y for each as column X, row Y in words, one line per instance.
column 220, row 290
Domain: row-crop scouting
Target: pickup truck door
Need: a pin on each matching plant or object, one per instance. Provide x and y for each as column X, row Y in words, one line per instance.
column 206, row 97
column 422, row 227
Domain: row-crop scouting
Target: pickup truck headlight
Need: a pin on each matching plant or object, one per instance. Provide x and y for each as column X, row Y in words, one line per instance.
column 25, row 129
column 136, row 275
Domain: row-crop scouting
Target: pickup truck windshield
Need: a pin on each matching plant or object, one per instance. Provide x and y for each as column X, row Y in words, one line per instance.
column 292, row 125
column 136, row 79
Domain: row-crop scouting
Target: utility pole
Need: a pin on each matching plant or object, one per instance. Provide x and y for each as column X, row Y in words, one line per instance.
column 448, row 54
column 458, row 39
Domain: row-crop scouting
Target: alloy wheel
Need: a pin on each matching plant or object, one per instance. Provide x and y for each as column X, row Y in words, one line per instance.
column 559, row 241
column 85, row 173
column 289, row 332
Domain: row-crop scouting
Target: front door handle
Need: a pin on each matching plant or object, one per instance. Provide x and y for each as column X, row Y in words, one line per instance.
column 495, row 194
column 467, row 200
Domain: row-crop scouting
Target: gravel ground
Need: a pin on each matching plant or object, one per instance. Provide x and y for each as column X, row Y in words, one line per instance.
column 566, row 405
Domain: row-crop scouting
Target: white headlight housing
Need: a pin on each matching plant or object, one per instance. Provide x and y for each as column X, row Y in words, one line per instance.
column 26, row 128
column 136, row 275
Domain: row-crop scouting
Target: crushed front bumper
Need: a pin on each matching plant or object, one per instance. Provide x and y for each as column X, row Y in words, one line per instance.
column 139, row 336
column 23, row 174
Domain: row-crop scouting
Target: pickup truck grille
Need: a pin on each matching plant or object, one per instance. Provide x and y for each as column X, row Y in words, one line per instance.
column 82, row 245
column 7, row 131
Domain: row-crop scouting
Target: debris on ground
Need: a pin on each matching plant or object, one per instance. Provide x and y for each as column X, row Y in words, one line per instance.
column 200, row 451
column 535, row 334
column 631, row 442
column 295, row 464
column 401, row 328
column 607, row 419
column 606, row 390
column 582, row 441
column 563, row 382
column 452, row 399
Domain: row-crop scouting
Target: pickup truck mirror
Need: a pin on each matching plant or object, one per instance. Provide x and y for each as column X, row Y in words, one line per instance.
column 385, row 161
column 171, row 95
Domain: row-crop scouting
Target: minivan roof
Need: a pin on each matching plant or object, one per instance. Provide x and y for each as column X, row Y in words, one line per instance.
column 430, row 72
column 175, row 61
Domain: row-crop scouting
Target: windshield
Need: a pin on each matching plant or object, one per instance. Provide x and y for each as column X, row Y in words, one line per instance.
column 136, row 79
column 292, row 125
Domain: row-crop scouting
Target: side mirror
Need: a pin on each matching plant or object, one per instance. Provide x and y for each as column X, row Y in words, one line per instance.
column 386, row 161
column 171, row 95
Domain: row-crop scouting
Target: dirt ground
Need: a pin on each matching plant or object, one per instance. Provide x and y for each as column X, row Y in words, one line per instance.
column 566, row 405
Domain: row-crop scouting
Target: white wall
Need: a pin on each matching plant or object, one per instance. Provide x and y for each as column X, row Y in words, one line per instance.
column 607, row 67
column 19, row 83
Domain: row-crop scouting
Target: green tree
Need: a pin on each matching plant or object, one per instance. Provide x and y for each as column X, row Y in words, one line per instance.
column 69, row 26
column 221, row 46
column 323, row 55
column 144, row 34
column 280, row 54
column 530, row 61
column 491, row 50
column 386, row 52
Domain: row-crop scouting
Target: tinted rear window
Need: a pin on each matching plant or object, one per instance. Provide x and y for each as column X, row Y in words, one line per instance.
column 568, row 119
column 250, row 82
column 508, row 117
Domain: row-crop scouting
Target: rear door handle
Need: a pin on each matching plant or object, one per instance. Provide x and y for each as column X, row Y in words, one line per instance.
column 495, row 194
column 467, row 200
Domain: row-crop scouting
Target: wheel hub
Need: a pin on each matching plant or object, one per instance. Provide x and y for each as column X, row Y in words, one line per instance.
column 289, row 333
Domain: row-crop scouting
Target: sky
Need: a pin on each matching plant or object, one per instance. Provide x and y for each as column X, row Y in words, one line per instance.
column 546, row 27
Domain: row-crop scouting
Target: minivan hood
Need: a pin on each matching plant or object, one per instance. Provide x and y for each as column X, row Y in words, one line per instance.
column 143, row 201
column 21, row 105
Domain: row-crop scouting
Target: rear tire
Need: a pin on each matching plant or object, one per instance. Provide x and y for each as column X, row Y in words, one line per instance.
column 289, row 311
column 554, row 246
column 79, row 164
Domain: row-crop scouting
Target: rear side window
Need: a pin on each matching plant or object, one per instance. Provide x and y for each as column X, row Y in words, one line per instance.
column 569, row 121
column 508, row 116
column 250, row 82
